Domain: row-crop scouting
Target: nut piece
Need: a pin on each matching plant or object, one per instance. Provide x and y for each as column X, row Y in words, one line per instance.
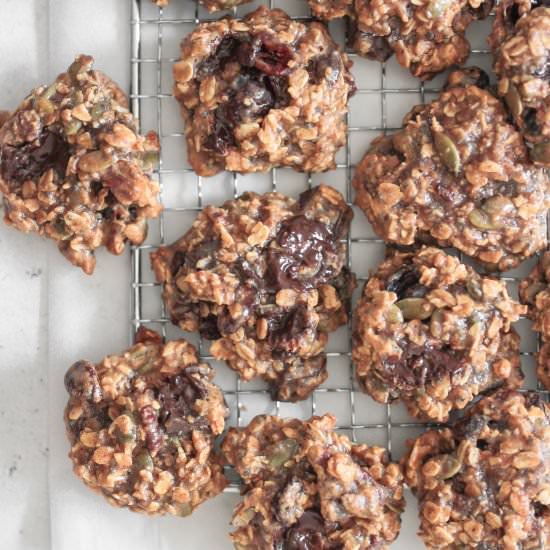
column 142, row 426
column 320, row 488
column 496, row 488
column 451, row 341
column 65, row 153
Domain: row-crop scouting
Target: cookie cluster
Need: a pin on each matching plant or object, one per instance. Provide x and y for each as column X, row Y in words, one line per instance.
column 266, row 277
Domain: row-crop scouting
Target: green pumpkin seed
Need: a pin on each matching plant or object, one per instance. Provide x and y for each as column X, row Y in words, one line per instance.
column 72, row 127
column 43, row 105
column 473, row 286
column 143, row 461
column 394, row 315
column 447, row 151
column 183, row 509
column 498, row 206
column 541, row 153
column 415, row 308
column 513, row 100
column 50, row 91
column 130, row 435
column 282, row 452
column 150, row 160
column 480, row 219
column 450, row 466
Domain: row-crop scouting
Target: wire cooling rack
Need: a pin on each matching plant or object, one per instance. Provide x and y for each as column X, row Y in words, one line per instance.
column 385, row 93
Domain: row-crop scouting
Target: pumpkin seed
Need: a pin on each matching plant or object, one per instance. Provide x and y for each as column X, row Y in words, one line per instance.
column 130, row 435
column 415, row 308
column 72, row 127
column 143, row 461
column 450, row 466
column 447, row 151
column 473, row 286
column 50, row 91
column 541, row 153
column 480, row 219
column 74, row 69
column 183, row 509
column 394, row 315
column 282, row 452
column 513, row 100
column 498, row 206
column 43, row 105
column 150, row 160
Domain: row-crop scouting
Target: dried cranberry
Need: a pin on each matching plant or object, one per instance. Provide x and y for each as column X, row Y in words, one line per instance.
column 31, row 160
column 273, row 57
column 304, row 245
column 221, row 138
column 226, row 50
column 149, row 421
column 308, row 533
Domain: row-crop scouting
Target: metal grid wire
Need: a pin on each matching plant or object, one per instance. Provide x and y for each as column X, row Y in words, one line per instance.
column 149, row 57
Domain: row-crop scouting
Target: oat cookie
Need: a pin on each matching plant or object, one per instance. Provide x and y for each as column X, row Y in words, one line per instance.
column 484, row 482
column 432, row 332
column 4, row 115
column 210, row 5
column 142, row 426
column 74, row 168
column 264, row 276
column 306, row 487
column 520, row 41
column 534, row 291
column 427, row 36
column 458, row 174
column 260, row 92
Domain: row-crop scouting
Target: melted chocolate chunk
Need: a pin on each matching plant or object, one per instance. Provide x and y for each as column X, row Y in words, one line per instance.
column 300, row 261
column 324, row 67
column 30, row 161
column 252, row 100
column 530, row 120
column 81, row 380
column 208, row 327
column 204, row 250
column 403, row 282
column 418, row 366
column 177, row 397
column 283, row 325
column 308, row 533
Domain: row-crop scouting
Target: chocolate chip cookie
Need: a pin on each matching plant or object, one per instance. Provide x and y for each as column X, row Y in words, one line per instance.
column 260, row 92
column 432, row 332
column 427, row 36
column 74, row 168
column 458, row 174
column 520, row 41
column 484, row 482
column 210, row 5
column 265, row 277
column 306, row 487
column 142, row 426
column 534, row 291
